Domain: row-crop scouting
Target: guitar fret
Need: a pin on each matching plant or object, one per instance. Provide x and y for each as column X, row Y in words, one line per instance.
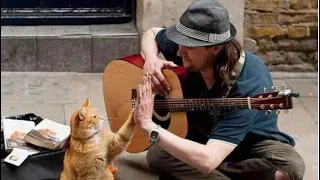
column 201, row 104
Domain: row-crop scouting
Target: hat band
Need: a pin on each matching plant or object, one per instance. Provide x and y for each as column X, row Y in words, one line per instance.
column 208, row 37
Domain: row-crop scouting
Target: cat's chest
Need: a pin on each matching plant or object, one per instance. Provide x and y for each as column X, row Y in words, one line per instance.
column 81, row 162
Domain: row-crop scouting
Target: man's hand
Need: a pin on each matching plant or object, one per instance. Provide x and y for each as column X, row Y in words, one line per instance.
column 153, row 66
column 144, row 103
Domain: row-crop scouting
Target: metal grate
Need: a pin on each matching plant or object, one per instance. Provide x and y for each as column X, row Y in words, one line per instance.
column 44, row 12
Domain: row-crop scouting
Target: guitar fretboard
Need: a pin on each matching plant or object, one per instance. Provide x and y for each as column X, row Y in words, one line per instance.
column 185, row 105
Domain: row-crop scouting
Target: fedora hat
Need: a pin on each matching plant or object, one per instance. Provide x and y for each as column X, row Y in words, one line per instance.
column 204, row 23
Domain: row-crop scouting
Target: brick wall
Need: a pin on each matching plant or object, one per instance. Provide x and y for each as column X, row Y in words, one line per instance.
column 284, row 33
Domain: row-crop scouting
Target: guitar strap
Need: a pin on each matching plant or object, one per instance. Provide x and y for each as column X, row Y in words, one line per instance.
column 229, row 82
column 226, row 87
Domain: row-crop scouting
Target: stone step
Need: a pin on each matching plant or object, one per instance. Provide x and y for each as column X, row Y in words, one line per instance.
column 76, row 48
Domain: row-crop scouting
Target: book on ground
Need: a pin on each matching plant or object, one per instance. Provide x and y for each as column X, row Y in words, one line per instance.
column 14, row 132
column 48, row 134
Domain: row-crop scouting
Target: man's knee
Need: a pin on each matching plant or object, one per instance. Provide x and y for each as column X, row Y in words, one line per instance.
column 296, row 168
column 292, row 165
column 286, row 159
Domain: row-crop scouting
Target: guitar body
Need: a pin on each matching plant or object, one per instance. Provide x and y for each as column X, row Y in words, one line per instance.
column 119, row 79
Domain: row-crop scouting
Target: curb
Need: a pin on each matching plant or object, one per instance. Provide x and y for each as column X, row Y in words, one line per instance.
column 294, row 75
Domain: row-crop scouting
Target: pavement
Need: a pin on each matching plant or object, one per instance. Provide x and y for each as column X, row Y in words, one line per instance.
column 56, row 95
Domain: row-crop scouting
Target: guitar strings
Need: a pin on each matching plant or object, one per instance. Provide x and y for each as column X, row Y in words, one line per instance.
column 178, row 100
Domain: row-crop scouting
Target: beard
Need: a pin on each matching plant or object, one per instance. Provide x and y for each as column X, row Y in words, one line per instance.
column 189, row 66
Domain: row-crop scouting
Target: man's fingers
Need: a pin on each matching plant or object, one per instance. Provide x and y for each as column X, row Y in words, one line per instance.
column 163, row 81
column 169, row 64
column 158, row 85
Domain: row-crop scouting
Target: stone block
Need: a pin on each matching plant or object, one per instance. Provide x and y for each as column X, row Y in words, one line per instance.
column 303, row 45
column 18, row 54
column 250, row 45
column 308, row 45
column 267, row 45
column 18, row 31
column 266, row 5
column 266, row 31
column 296, row 18
column 65, row 54
column 314, row 4
column 63, row 31
column 273, row 57
column 298, row 4
column 127, row 29
column 263, row 18
column 298, row 31
column 312, row 58
column 296, row 58
column 314, row 32
column 106, row 49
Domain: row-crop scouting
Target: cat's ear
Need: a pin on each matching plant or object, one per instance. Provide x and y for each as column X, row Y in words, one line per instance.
column 82, row 114
column 86, row 103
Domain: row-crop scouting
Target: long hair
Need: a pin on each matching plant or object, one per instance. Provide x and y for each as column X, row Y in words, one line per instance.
column 227, row 58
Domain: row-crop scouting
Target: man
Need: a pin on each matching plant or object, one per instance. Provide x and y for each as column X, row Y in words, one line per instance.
column 228, row 144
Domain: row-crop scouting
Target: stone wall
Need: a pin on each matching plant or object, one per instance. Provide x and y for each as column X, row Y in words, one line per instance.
column 284, row 33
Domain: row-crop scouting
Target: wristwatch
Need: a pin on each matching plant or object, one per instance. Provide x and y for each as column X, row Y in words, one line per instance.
column 154, row 134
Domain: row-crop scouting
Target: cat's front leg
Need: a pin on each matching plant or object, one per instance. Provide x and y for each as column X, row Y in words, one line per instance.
column 121, row 139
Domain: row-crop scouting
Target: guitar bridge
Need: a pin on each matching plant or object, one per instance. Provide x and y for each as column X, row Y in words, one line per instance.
column 133, row 97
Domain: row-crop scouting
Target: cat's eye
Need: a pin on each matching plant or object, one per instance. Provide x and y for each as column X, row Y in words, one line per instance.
column 94, row 116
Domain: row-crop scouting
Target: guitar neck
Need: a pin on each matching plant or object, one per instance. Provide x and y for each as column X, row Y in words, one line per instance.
column 186, row 105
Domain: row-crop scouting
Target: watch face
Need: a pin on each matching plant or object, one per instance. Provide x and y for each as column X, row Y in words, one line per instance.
column 154, row 135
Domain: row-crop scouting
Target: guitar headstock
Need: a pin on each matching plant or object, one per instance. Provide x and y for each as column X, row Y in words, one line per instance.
column 276, row 100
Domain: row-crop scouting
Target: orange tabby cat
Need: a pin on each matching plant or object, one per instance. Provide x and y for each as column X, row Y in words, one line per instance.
column 93, row 148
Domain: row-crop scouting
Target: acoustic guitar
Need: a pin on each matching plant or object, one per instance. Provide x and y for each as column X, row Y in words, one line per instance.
column 121, row 78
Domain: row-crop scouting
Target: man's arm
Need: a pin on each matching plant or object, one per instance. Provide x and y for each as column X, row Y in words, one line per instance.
column 205, row 158
column 149, row 48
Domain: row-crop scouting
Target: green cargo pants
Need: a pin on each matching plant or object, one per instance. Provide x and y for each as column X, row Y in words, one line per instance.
column 261, row 161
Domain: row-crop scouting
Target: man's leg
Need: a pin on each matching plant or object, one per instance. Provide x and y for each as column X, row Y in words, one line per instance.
column 163, row 163
column 266, row 158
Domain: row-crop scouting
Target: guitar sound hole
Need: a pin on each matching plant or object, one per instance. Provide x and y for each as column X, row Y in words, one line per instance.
column 162, row 110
